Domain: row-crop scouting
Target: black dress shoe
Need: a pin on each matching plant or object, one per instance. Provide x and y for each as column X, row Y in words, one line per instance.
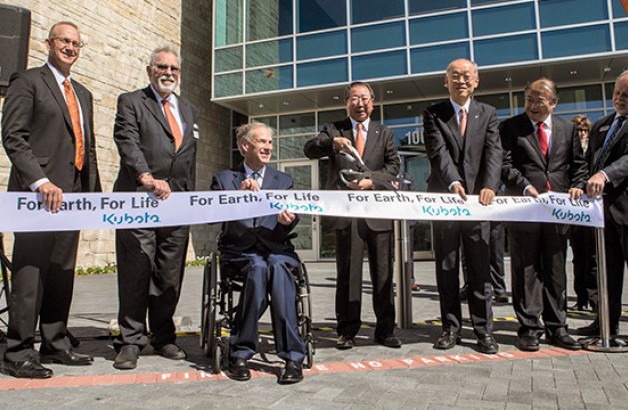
column 447, row 340
column 501, row 299
column 565, row 341
column 170, row 351
column 127, row 357
column 238, row 370
column 593, row 330
column 66, row 357
column 579, row 307
column 344, row 342
column 527, row 343
column 487, row 344
column 389, row 341
column 30, row 369
column 292, row 373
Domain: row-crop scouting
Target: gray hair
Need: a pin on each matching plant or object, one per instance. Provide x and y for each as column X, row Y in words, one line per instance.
column 546, row 84
column 245, row 132
column 473, row 63
column 622, row 75
column 163, row 49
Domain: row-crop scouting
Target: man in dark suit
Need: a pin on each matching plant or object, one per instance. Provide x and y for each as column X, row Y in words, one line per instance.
column 156, row 133
column 465, row 157
column 261, row 248
column 541, row 153
column 375, row 144
column 48, row 134
column 608, row 157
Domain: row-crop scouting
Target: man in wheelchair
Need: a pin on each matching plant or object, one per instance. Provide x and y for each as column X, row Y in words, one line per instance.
column 261, row 248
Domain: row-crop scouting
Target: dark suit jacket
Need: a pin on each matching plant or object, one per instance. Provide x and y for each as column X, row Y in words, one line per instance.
column 524, row 164
column 615, row 167
column 380, row 155
column 146, row 143
column 38, row 136
column 246, row 234
column 474, row 160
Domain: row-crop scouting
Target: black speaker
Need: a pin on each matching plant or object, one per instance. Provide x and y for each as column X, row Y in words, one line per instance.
column 15, row 30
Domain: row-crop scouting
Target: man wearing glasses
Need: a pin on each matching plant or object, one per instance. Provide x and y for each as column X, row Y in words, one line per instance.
column 48, row 134
column 542, row 153
column 155, row 131
column 375, row 145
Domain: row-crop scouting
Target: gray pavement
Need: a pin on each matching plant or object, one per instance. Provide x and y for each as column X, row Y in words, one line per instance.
column 549, row 380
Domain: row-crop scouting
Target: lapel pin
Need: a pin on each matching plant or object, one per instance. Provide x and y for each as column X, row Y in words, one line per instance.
column 604, row 128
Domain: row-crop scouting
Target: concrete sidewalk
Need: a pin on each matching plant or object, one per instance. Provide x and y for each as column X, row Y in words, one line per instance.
column 368, row 376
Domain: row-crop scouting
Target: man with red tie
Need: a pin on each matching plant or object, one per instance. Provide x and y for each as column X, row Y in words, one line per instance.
column 48, row 134
column 541, row 153
column 156, row 134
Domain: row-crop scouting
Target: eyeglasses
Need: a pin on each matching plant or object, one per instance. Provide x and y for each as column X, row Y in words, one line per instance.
column 583, row 130
column 463, row 77
column 357, row 98
column 539, row 103
column 165, row 67
column 66, row 42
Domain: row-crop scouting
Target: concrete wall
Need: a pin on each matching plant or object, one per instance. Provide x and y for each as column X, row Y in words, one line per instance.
column 120, row 34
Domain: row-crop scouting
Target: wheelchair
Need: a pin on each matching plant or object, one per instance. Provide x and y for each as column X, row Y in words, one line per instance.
column 219, row 303
column 5, row 291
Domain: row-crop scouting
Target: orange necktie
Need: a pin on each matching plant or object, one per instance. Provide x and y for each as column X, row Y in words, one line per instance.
column 75, row 115
column 174, row 126
column 359, row 140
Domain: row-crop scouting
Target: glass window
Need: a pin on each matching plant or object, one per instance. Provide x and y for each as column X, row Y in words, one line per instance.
column 575, row 41
column 268, row 79
column 227, row 22
column 580, row 98
column 439, row 28
column 618, row 9
column 271, row 121
column 322, row 72
column 519, row 17
column 501, row 102
column 562, row 12
column 322, row 45
column 621, row 36
column 269, row 53
column 608, row 89
column 292, row 147
column 407, row 113
column 296, row 124
column 320, row 14
column 379, row 65
column 410, row 136
column 363, row 11
column 227, row 84
column 228, row 59
column 325, row 117
column 506, row 49
column 436, row 58
column 480, row 2
column 377, row 37
column 423, row 6
column 268, row 18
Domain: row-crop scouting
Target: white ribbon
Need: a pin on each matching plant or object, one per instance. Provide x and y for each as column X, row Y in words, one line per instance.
column 23, row 212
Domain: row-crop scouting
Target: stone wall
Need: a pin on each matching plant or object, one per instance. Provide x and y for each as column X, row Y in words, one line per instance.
column 120, row 35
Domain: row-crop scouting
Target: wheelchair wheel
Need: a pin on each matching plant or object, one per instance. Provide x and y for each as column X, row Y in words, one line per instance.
column 304, row 311
column 5, row 292
column 216, row 358
column 208, row 308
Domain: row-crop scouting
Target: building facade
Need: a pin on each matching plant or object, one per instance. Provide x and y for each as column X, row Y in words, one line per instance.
column 286, row 62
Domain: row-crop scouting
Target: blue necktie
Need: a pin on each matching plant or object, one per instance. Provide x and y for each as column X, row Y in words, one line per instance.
column 608, row 144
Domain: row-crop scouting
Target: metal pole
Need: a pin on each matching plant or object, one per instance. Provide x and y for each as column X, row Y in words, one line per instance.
column 604, row 343
column 404, row 281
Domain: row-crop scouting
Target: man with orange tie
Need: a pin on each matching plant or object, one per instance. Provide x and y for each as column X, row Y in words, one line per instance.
column 48, row 134
column 376, row 146
column 156, row 133
column 542, row 153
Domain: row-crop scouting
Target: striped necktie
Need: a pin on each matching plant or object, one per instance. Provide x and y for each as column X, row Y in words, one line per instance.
column 608, row 144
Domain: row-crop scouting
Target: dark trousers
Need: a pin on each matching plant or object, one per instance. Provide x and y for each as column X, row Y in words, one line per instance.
column 537, row 254
column 616, row 247
column 475, row 243
column 42, row 282
column 350, row 244
column 582, row 239
column 150, row 272
column 265, row 276
column 497, row 246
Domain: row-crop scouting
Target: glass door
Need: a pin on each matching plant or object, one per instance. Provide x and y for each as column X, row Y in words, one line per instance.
column 305, row 175
column 419, row 167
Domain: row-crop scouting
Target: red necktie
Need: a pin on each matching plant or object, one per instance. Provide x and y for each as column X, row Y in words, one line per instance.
column 543, row 143
column 75, row 116
column 359, row 140
column 174, row 126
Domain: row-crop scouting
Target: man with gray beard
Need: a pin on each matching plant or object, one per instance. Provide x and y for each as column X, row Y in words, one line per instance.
column 156, row 133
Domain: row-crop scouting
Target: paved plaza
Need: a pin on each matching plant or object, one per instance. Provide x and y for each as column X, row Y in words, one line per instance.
column 367, row 376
